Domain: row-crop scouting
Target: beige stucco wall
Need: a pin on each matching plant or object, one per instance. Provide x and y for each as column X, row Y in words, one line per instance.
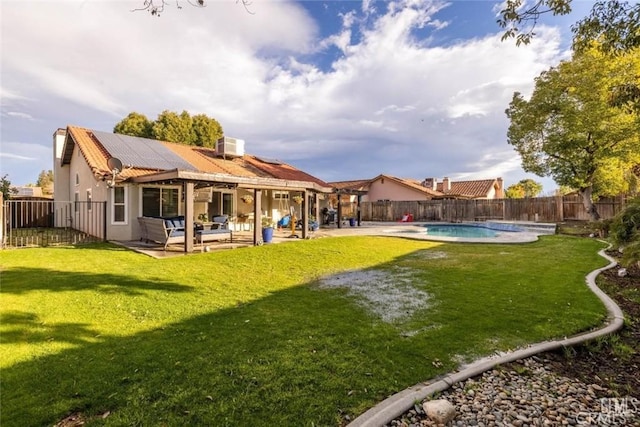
column 60, row 175
column 492, row 193
column 387, row 189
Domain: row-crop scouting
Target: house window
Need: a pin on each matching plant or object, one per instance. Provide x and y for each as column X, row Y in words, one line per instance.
column 119, row 205
column 89, row 199
column 160, row 201
column 281, row 195
column 77, row 179
column 221, row 203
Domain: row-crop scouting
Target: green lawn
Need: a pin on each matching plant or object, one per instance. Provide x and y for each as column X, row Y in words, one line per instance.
column 249, row 337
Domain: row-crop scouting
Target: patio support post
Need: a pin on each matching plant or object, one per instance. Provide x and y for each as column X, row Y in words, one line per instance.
column 257, row 216
column 359, row 213
column 316, row 208
column 104, row 221
column 188, row 216
column 305, row 214
column 339, row 219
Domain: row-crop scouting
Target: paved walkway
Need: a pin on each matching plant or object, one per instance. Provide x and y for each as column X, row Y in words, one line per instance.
column 415, row 230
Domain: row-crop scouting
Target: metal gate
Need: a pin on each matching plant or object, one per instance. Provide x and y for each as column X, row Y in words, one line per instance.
column 46, row 222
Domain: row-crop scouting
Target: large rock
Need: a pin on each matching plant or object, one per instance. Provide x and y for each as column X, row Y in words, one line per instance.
column 441, row 411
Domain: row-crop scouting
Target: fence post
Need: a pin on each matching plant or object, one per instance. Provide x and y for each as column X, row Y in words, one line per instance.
column 560, row 205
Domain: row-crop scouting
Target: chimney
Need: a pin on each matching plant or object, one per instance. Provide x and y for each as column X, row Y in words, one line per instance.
column 430, row 183
column 61, row 177
column 446, row 184
column 500, row 191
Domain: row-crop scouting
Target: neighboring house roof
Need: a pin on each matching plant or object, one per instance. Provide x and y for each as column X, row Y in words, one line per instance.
column 471, row 189
column 459, row 189
column 173, row 157
column 411, row 183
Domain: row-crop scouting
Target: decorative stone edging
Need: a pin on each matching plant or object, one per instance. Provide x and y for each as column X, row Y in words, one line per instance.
column 401, row 402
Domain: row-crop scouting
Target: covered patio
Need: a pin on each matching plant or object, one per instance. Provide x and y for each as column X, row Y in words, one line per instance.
column 261, row 190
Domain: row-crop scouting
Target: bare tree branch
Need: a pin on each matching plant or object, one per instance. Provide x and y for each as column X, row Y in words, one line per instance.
column 156, row 7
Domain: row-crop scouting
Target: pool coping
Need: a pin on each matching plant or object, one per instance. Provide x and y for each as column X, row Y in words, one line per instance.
column 408, row 231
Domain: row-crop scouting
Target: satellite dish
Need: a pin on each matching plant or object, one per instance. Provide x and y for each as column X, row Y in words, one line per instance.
column 114, row 164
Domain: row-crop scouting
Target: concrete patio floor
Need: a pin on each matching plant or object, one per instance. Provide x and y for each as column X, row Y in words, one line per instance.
column 243, row 239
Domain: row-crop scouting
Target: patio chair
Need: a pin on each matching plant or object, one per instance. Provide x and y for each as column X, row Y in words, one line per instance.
column 220, row 222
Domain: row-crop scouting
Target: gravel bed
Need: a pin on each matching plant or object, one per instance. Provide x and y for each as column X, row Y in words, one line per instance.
column 526, row 394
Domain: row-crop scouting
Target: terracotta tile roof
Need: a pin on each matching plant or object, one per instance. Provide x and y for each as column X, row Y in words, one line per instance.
column 202, row 159
column 205, row 160
column 476, row 188
column 282, row 170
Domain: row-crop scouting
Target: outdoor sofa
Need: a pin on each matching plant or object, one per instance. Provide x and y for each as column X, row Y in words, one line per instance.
column 167, row 231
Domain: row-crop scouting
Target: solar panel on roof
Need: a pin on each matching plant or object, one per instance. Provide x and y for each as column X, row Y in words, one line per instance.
column 268, row 160
column 141, row 152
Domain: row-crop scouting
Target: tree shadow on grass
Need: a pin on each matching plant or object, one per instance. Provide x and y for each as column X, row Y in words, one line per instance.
column 19, row 326
column 295, row 357
column 19, row 281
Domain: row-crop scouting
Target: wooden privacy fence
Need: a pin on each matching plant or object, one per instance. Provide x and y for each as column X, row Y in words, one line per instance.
column 540, row 209
column 45, row 222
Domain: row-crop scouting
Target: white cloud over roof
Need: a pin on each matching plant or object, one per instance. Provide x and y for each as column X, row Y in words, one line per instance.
column 389, row 102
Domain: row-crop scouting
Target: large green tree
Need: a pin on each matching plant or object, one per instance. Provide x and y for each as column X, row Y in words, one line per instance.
column 207, row 130
column 135, row 124
column 173, row 127
column 45, row 181
column 6, row 188
column 614, row 24
column 569, row 130
column 613, row 27
column 523, row 188
column 182, row 128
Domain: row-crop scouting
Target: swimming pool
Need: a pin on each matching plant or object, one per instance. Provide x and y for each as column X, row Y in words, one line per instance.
column 454, row 230
column 472, row 232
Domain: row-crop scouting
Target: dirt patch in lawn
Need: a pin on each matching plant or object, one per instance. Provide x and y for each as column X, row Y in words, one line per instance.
column 389, row 295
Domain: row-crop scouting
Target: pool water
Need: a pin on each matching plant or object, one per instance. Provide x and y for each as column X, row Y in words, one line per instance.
column 468, row 231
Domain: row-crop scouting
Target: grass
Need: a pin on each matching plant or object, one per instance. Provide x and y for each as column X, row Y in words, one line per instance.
column 247, row 337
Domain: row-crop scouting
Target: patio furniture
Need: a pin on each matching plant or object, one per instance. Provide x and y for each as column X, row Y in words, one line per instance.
column 214, row 234
column 163, row 231
column 167, row 231
column 220, row 222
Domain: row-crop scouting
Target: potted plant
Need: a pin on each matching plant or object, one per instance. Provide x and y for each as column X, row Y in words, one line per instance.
column 267, row 229
column 297, row 199
column 247, row 198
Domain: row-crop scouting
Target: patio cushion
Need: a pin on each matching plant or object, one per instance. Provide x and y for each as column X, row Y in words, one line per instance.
column 174, row 222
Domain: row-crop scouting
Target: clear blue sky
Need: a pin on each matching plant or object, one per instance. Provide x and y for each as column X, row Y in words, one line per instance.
column 341, row 89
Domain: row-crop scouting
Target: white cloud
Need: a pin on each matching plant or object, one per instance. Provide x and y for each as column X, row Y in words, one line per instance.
column 16, row 156
column 389, row 103
column 20, row 115
column 7, row 95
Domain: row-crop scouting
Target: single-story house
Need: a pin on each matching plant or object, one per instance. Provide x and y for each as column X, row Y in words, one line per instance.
column 139, row 177
column 388, row 187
